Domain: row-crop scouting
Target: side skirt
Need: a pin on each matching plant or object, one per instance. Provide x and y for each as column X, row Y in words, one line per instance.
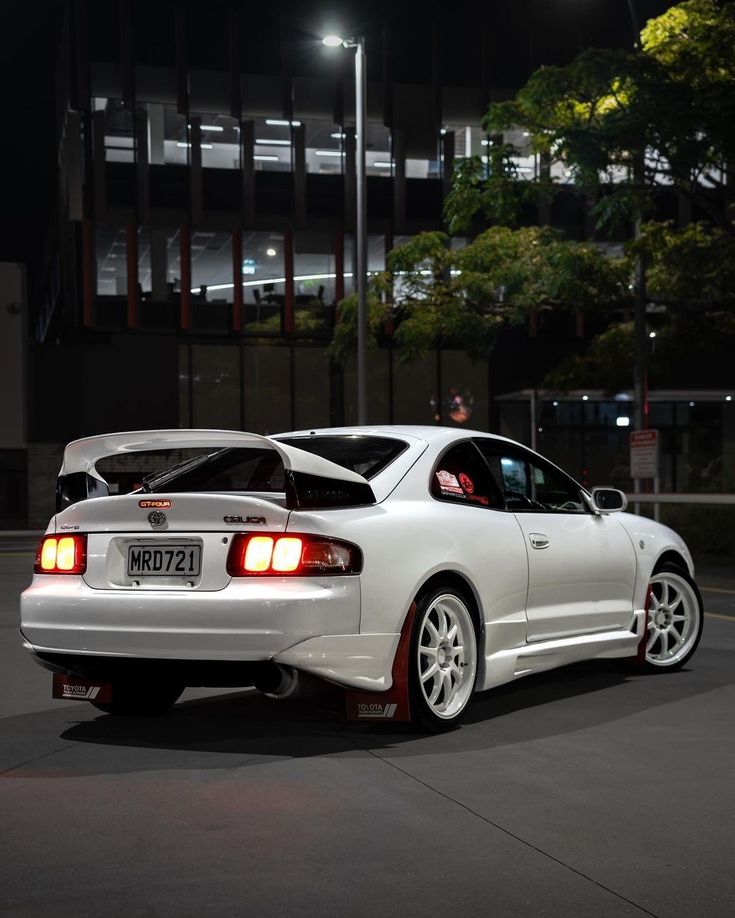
column 505, row 665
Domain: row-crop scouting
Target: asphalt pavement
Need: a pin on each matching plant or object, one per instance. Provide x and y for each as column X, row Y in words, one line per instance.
column 582, row 792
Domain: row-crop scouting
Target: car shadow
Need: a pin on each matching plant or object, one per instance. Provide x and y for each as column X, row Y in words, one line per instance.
column 209, row 732
column 237, row 729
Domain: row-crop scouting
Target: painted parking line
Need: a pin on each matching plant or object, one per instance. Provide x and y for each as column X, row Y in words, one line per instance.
column 722, row 618
column 717, row 590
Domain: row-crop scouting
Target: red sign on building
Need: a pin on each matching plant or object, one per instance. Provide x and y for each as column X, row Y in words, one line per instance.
column 644, row 453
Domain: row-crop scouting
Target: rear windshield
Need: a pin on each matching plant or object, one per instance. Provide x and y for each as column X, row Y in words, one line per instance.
column 237, row 469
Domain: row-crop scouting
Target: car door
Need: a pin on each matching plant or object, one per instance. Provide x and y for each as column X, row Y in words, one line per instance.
column 581, row 565
column 479, row 532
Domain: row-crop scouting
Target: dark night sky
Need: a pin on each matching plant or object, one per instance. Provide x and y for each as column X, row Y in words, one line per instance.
column 524, row 35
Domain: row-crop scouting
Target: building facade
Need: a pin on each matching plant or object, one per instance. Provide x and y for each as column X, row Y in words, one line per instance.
column 205, row 225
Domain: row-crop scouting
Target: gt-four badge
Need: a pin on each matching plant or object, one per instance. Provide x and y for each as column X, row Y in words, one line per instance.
column 155, row 503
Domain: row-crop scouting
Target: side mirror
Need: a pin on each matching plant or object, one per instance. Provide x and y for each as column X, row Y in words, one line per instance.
column 608, row 500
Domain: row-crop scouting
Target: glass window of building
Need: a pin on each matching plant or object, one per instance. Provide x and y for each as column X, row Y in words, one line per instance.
column 325, row 147
column 378, row 387
column 311, row 387
column 263, row 280
column 215, row 386
column 119, row 130
column 220, row 141
column 211, row 266
column 111, row 252
column 273, row 150
column 267, row 372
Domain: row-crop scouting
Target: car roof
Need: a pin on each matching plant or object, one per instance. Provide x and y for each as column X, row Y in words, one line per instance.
column 420, row 438
column 427, row 433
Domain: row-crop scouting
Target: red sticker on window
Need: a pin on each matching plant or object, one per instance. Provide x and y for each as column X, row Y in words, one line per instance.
column 466, row 483
column 448, row 483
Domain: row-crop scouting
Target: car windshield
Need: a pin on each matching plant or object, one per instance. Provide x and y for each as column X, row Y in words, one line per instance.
column 236, row 469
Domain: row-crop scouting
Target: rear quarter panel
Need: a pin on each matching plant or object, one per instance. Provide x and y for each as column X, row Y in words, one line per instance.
column 405, row 541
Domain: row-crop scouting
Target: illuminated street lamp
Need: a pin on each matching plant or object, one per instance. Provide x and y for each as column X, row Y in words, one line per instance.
column 335, row 41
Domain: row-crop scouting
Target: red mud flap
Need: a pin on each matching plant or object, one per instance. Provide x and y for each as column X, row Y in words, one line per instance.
column 73, row 689
column 394, row 704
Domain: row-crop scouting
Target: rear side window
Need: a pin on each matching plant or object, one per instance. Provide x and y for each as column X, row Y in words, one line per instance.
column 462, row 476
column 365, row 455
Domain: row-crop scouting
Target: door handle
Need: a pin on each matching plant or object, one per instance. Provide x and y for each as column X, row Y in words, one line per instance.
column 538, row 540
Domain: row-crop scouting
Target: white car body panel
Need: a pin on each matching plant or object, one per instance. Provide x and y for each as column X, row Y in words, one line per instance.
column 561, row 583
column 581, row 597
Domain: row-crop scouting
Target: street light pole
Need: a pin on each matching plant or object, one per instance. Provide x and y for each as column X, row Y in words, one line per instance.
column 362, row 324
column 334, row 41
column 640, row 395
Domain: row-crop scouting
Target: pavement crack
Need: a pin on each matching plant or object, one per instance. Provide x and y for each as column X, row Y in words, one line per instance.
column 38, row 758
column 506, row 831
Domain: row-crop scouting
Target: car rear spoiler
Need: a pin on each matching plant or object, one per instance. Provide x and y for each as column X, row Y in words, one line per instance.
column 311, row 482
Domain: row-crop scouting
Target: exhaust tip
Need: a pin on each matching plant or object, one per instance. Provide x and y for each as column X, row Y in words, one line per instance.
column 276, row 681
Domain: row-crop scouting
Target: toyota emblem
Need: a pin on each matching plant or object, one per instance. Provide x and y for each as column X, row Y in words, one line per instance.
column 157, row 519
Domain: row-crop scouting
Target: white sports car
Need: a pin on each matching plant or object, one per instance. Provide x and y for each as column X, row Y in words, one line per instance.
column 411, row 565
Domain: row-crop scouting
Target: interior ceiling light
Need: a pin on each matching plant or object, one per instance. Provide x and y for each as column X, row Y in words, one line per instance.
column 275, row 280
column 328, row 152
column 263, row 141
column 271, row 252
column 278, row 122
column 211, row 127
column 266, row 157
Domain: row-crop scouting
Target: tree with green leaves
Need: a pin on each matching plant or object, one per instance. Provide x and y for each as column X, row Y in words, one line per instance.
column 624, row 123
column 437, row 295
column 691, row 272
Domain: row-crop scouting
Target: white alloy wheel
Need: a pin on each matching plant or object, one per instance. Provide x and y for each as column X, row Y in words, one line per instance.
column 447, row 655
column 674, row 620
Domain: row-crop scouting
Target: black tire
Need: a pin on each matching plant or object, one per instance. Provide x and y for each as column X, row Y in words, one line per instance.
column 141, row 699
column 451, row 605
column 652, row 657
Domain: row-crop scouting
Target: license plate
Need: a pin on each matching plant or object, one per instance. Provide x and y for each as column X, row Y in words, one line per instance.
column 164, row 560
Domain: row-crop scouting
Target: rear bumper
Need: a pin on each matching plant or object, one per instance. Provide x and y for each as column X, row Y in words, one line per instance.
column 207, row 638
column 251, row 619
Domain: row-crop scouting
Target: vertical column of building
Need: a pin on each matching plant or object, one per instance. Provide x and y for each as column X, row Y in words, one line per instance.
column 140, row 146
column 155, row 127
column 287, row 315
column 442, row 142
column 233, row 22
column 182, row 107
column 397, row 137
column 82, row 191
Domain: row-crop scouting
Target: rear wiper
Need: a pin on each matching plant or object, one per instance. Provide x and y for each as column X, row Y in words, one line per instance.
column 156, row 478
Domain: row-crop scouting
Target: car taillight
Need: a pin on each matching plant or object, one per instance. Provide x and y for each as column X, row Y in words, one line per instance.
column 65, row 554
column 302, row 555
